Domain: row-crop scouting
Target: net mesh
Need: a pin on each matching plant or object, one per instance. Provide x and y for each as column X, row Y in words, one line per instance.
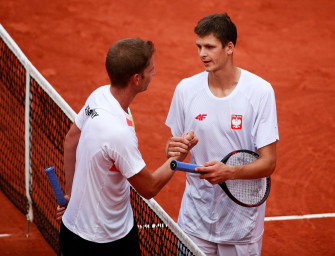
column 156, row 237
column 12, row 139
column 48, row 125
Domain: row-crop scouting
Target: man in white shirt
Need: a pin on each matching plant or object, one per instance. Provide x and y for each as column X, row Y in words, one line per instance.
column 229, row 109
column 101, row 158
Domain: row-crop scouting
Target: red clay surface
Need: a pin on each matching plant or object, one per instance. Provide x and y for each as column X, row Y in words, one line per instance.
column 288, row 43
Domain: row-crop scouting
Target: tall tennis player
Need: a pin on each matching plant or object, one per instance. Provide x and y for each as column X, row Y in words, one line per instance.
column 229, row 109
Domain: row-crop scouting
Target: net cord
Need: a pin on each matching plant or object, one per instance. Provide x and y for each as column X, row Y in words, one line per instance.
column 33, row 72
column 173, row 226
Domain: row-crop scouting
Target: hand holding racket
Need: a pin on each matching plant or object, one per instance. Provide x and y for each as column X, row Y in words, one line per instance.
column 247, row 193
column 50, row 171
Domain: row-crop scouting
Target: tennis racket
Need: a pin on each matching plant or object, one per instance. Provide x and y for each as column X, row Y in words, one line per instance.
column 50, row 171
column 247, row 193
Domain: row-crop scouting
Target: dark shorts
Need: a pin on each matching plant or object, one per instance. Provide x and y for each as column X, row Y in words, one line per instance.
column 72, row 244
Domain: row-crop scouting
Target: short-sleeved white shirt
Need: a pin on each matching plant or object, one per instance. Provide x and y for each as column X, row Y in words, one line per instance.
column 245, row 119
column 107, row 154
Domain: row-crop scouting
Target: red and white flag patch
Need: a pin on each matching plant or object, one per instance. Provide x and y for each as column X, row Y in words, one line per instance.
column 236, row 122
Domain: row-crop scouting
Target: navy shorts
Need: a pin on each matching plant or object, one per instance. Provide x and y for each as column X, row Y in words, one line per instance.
column 72, row 244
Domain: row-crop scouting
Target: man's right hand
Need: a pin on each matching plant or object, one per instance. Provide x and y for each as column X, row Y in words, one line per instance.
column 180, row 146
column 61, row 209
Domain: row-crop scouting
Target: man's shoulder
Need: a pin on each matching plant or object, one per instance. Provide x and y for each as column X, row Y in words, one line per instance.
column 114, row 128
column 253, row 77
column 255, row 83
column 193, row 82
column 197, row 77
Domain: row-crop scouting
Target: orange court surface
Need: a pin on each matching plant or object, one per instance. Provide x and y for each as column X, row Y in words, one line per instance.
column 288, row 43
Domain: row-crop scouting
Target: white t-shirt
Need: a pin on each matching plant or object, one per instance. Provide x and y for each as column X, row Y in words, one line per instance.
column 245, row 119
column 107, row 154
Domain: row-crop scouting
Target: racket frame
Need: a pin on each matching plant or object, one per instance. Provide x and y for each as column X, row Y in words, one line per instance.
column 229, row 194
column 187, row 167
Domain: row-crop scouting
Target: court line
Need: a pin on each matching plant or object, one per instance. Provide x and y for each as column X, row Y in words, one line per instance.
column 4, row 235
column 300, row 217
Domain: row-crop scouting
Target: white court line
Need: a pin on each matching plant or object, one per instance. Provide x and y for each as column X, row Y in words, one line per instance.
column 4, row 235
column 300, row 217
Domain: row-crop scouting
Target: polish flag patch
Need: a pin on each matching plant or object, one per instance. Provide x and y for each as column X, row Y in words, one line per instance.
column 236, row 122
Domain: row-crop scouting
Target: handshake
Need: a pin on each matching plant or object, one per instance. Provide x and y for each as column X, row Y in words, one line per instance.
column 178, row 147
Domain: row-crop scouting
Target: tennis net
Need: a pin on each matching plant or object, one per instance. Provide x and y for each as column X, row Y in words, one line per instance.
column 35, row 120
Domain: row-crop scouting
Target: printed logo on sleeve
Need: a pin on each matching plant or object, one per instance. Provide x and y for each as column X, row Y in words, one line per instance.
column 90, row 112
column 236, row 122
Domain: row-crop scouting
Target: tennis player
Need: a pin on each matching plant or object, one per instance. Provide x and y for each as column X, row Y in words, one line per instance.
column 228, row 108
column 101, row 158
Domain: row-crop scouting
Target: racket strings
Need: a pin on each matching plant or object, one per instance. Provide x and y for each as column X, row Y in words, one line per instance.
column 246, row 191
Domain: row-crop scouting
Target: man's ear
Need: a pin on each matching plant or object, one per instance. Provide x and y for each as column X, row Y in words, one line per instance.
column 135, row 79
column 230, row 48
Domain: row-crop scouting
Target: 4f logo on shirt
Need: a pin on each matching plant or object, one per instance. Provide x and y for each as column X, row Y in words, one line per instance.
column 236, row 122
column 201, row 117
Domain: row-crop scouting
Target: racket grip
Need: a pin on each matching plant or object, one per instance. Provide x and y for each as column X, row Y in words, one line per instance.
column 50, row 171
column 181, row 166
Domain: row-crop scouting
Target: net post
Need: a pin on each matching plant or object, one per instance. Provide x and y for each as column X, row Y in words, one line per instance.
column 28, row 177
column 27, row 227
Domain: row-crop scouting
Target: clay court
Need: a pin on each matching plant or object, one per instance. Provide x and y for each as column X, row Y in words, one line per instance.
column 288, row 43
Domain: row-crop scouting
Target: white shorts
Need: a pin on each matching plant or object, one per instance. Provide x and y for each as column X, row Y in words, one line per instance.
column 214, row 249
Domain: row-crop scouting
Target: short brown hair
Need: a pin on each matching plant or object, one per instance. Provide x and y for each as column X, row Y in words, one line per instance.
column 128, row 57
column 220, row 25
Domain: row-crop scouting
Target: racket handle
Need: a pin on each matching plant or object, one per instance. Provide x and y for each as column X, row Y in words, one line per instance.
column 50, row 171
column 181, row 166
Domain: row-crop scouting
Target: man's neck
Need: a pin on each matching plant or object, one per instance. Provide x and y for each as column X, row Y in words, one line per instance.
column 223, row 82
column 123, row 95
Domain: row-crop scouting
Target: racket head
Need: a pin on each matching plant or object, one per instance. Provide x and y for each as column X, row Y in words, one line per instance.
column 247, row 193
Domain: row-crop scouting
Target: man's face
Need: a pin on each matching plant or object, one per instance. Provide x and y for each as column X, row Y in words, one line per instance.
column 211, row 53
column 148, row 73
